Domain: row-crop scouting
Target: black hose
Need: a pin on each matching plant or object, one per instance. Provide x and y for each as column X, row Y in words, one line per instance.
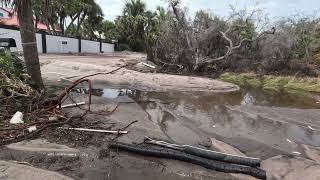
column 253, row 162
column 178, row 155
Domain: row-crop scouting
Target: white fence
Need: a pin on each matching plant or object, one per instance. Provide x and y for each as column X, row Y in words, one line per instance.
column 9, row 33
column 107, row 48
column 57, row 44
column 90, row 46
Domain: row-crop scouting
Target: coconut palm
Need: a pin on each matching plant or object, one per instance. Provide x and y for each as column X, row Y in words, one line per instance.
column 134, row 8
column 28, row 37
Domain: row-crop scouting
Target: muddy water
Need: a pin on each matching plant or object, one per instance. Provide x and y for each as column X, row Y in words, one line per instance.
column 259, row 123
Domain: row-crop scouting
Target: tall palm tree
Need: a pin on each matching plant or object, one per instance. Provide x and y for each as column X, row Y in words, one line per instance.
column 28, row 37
column 134, row 8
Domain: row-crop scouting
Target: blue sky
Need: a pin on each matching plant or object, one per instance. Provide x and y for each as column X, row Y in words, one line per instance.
column 276, row 8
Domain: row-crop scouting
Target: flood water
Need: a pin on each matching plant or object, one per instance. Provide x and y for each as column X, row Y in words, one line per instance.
column 259, row 123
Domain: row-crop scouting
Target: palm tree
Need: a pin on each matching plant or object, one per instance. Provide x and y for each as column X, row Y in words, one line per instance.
column 28, row 37
column 131, row 24
column 134, row 8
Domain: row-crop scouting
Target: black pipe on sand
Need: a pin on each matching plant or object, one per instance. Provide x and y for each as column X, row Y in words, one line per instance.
column 181, row 156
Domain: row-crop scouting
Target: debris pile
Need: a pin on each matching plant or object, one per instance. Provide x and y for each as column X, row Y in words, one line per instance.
column 27, row 112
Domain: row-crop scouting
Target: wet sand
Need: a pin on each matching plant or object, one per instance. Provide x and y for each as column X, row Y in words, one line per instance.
column 256, row 123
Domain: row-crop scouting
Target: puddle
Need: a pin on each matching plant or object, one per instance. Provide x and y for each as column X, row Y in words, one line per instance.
column 107, row 93
column 244, row 117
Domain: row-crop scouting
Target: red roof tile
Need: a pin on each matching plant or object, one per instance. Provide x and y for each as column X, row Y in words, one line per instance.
column 13, row 20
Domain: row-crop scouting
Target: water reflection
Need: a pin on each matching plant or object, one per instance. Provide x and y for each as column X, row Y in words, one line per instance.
column 191, row 117
column 220, row 114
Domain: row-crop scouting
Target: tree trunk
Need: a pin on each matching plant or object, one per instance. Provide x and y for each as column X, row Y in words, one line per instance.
column 80, row 21
column 72, row 21
column 29, row 44
column 62, row 25
column 48, row 26
column 36, row 23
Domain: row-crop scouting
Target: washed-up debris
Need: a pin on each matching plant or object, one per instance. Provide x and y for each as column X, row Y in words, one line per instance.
column 148, row 65
column 296, row 152
column 72, row 105
column 182, row 156
column 32, row 128
column 213, row 155
column 40, row 113
column 312, row 152
column 311, row 128
column 17, row 118
column 97, row 130
column 53, row 118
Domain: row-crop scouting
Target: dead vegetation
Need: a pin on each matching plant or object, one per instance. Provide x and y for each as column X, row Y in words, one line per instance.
column 245, row 41
column 40, row 110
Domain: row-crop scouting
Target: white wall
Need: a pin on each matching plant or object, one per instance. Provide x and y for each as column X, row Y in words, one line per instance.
column 39, row 42
column 107, row 48
column 90, row 46
column 15, row 34
column 54, row 44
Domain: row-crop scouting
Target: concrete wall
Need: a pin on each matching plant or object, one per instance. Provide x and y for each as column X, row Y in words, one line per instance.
column 90, row 46
column 9, row 33
column 107, row 48
column 58, row 44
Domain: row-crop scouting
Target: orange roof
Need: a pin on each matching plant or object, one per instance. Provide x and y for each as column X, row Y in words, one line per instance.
column 13, row 20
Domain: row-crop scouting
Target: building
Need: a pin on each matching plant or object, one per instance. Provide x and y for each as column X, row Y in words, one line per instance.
column 9, row 18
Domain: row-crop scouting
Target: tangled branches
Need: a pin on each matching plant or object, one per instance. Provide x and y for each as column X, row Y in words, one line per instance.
column 38, row 112
column 206, row 41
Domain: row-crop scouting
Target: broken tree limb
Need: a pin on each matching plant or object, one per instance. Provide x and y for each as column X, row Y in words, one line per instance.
column 231, row 47
column 97, row 130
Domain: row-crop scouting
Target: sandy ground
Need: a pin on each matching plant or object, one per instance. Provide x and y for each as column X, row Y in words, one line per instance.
column 92, row 159
column 55, row 68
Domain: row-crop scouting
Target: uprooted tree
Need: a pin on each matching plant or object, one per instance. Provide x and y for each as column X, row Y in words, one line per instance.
column 208, row 41
column 246, row 41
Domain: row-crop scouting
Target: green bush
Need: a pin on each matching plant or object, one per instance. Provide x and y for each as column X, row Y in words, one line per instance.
column 273, row 83
column 123, row 47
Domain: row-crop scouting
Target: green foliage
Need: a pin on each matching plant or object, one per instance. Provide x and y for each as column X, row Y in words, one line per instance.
column 273, row 83
column 69, row 17
column 246, row 79
column 137, row 27
column 5, row 63
column 109, row 30
column 305, row 37
column 11, row 65
column 123, row 47
column 11, row 71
